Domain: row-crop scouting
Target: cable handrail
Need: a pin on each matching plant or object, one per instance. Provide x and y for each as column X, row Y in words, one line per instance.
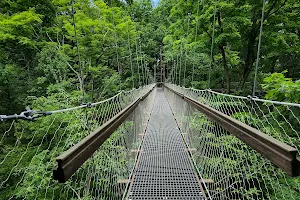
column 34, row 114
column 249, row 97
column 257, row 99
column 279, row 153
column 69, row 161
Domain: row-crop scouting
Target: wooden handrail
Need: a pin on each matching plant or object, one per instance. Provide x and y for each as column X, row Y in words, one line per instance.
column 69, row 161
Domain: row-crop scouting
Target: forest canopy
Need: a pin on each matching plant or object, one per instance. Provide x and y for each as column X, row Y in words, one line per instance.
column 56, row 54
column 100, row 47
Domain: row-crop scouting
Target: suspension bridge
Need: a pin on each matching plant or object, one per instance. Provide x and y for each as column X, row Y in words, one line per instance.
column 166, row 142
column 159, row 141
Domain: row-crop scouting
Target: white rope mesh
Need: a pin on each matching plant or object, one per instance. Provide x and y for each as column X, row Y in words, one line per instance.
column 229, row 167
column 31, row 158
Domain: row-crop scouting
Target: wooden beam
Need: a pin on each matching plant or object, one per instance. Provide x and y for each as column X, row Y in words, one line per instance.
column 69, row 161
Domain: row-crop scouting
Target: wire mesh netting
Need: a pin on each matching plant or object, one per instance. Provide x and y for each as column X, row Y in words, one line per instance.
column 31, row 158
column 164, row 169
column 229, row 167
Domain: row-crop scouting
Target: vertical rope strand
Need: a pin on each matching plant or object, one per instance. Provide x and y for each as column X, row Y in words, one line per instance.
column 130, row 57
column 78, row 53
column 180, row 83
column 142, row 64
column 259, row 46
column 116, row 45
column 129, row 47
column 137, row 62
column 186, row 37
column 212, row 47
column 196, row 32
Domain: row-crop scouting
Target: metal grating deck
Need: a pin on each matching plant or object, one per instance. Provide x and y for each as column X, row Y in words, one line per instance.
column 164, row 170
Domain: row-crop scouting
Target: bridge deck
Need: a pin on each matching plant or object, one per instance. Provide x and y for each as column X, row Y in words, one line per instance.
column 164, row 170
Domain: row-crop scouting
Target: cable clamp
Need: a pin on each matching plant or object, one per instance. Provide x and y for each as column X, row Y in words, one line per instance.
column 3, row 118
column 252, row 98
column 29, row 115
column 89, row 105
column 32, row 115
column 249, row 97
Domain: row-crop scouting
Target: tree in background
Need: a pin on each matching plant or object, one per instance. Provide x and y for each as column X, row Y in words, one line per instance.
column 235, row 41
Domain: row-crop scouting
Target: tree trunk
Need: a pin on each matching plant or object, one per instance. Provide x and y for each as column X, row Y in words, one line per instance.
column 253, row 34
column 249, row 59
column 9, row 97
column 273, row 64
column 92, row 95
column 224, row 61
column 250, row 53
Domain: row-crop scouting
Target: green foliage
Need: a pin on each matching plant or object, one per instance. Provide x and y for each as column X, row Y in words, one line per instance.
column 236, row 32
column 280, row 88
column 53, row 63
column 44, row 65
column 225, row 154
column 41, row 67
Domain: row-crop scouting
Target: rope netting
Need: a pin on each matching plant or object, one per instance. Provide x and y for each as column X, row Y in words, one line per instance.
column 229, row 167
column 31, row 159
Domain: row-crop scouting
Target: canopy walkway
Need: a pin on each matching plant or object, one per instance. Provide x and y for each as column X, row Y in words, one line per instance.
column 166, row 142
column 161, row 140
column 164, row 169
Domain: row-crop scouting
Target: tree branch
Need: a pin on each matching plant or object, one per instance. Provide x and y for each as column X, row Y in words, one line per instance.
column 269, row 13
column 103, row 48
column 78, row 75
column 57, row 39
column 208, row 34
